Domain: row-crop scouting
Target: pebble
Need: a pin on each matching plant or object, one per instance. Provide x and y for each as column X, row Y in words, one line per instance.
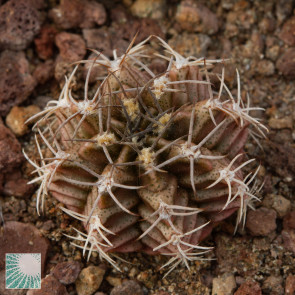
column 235, row 253
column 195, row 17
column 72, row 47
column 288, row 233
column 273, row 47
column 99, row 39
column 278, row 203
column 273, row 285
column 49, row 286
column 114, row 281
column 288, row 236
column 287, row 33
column 78, row 13
column 249, row 288
column 16, row 82
column 224, row 285
column 89, row 280
column 286, row 63
column 281, row 123
column 129, row 287
column 17, row 186
column 10, row 150
column 289, row 221
column 290, row 285
column 267, row 25
column 20, row 22
column 261, row 222
column 188, row 44
column 44, row 71
column 265, row 67
column 17, row 117
column 44, row 42
column 22, row 238
column 67, row 272
column 154, row 9
column 284, row 8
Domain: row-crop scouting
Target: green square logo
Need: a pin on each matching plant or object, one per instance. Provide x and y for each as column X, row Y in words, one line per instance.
column 23, row 271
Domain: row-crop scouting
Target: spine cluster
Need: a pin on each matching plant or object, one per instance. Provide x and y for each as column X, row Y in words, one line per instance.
column 147, row 162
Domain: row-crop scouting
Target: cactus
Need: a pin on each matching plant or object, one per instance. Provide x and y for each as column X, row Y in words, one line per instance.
column 147, row 162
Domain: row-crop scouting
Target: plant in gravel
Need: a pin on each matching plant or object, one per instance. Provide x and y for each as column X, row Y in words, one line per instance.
column 147, row 162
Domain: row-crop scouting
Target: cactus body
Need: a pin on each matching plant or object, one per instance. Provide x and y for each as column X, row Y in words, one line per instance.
column 148, row 162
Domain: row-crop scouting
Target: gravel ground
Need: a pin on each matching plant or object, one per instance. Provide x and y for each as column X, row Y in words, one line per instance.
column 38, row 41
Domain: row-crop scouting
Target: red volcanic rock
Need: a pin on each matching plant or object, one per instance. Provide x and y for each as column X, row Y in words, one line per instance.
column 78, row 13
column 20, row 21
column 22, row 238
column 16, row 82
column 249, row 288
column 261, row 222
column 45, row 41
column 287, row 33
column 286, row 63
column 71, row 46
column 50, row 286
column 10, row 150
column 67, row 272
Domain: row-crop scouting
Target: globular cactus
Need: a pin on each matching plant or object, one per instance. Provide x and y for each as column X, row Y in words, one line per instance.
column 149, row 162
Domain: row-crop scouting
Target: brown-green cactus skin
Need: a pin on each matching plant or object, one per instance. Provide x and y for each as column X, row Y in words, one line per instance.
column 147, row 162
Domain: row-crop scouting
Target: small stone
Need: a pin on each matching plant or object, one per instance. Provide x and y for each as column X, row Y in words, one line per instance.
column 154, row 9
column 284, row 8
column 261, row 222
column 265, row 67
column 44, row 71
column 17, row 117
column 94, row 14
column 22, row 238
column 190, row 44
column 78, row 13
column 17, row 186
column 71, row 46
column 273, row 285
column 16, row 82
column 10, row 150
column 243, row 259
column 287, row 33
column 114, row 281
column 288, row 233
column 62, row 69
column 249, row 288
column 20, row 22
column 267, row 25
column 290, row 285
column 289, row 221
column 278, row 203
column 286, row 63
column 45, row 42
column 281, row 205
column 99, row 39
column 195, row 17
column 129, row 287
column 282, row 123
column 288, row 236
column 89, row 280
column 49, row 286
column 67, row 272
column 224, row 285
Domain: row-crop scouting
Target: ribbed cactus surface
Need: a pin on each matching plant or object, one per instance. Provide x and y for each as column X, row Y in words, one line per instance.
column 147, row 162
